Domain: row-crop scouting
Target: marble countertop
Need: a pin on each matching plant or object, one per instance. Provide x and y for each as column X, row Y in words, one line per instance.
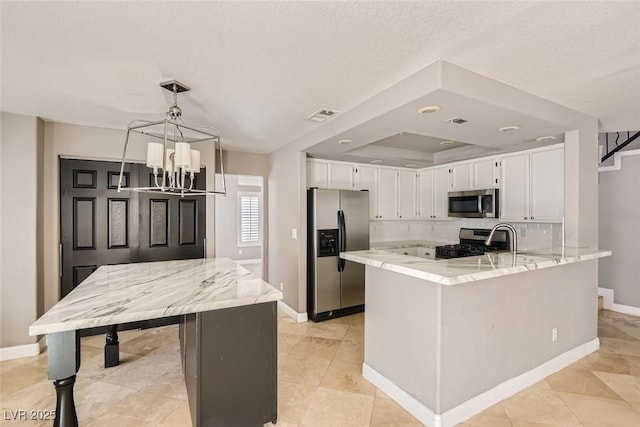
column 469, row 269
column 122, row 293
column 398, row 244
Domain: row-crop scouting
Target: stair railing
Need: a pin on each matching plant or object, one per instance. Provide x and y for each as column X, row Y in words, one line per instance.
column 630, row 139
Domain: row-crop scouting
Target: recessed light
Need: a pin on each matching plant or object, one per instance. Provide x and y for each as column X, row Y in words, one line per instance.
column 376, row 162
column 447, row 142
column 508, row 128
column 411, row 165
column 430, row 109
column 345, row 141
column 546, row 138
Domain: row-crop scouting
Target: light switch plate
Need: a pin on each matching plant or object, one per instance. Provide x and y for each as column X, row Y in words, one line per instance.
column 294, row 233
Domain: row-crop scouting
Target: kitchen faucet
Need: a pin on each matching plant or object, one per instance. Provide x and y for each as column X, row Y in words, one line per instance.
column 514, row 244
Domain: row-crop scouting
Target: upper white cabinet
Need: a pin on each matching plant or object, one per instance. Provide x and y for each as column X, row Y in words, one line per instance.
column 387, row 193
column 485, row 173
column 532, row 187
column 317, row 174
column 546, row 192
column 342, row 176
column 460, row 177
column 433, row 185
column 407, row 194
column 474, row 175
column 367, row 179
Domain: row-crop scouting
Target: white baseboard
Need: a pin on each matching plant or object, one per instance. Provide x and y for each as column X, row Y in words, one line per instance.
column 483, row 401
column 608, row 304
column 298, row 317
column 26, row 350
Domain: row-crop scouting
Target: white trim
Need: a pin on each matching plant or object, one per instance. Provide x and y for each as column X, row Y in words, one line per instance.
column 617, row 160
column 26, row 350
column 608, row 304
column 483, row 401
column 298, row 317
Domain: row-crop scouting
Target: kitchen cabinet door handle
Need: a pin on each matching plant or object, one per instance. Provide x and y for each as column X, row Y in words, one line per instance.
column 526, row 217
column 532, row 218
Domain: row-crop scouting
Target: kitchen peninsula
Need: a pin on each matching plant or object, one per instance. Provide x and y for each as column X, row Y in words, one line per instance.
column 228, row 333
column 448, row 338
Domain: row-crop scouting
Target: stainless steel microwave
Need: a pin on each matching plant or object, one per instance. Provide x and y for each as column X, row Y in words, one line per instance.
column 474, row 203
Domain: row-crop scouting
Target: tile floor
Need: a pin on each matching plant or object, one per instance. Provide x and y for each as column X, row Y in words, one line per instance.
column 320, row 383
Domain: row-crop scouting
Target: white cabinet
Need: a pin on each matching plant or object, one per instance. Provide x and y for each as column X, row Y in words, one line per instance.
column 367, row 178
column 327, row 174
column 546, row 190
column 532, row 187
column 485, row 174
column 342, row 176
column 406, row 194
column 460, row 177
column 432, row 193
column 387, row 193
column 474, row 175
column 317, row 174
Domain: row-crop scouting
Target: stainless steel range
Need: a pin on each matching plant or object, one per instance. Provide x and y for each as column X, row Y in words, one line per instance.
column 472, row 243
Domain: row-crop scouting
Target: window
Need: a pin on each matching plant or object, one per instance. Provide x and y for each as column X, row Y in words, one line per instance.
column 249, row 219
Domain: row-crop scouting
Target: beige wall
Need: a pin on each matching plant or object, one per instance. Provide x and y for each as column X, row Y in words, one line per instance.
column 64, row 140
column 21, row 285
column 287, row 210
column 620, row 230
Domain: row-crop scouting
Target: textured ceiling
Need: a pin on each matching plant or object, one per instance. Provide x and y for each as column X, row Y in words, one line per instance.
column 258, row 69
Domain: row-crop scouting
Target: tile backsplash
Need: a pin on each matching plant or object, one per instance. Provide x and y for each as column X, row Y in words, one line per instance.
column 531, row 235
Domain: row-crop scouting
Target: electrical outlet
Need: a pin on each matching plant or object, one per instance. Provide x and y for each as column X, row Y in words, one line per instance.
column 281, row 286
column 554, row 334
column 523, row 232
column 239, row 251
column 294, row 233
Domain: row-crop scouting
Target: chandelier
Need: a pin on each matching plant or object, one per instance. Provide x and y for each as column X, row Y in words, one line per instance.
column 172, row 158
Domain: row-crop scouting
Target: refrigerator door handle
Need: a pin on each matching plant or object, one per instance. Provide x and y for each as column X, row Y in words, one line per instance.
column 342, row 239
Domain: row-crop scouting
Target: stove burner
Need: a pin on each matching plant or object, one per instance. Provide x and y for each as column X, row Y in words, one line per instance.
column 461, row 250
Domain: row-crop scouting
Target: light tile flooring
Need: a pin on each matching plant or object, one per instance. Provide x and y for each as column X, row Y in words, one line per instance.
column 320, row 383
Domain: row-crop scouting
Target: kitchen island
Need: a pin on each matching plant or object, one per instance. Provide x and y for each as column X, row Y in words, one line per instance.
column 228, row 333
column 448, row 338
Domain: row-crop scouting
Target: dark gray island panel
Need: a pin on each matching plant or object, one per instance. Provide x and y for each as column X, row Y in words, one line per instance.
column 229, row 361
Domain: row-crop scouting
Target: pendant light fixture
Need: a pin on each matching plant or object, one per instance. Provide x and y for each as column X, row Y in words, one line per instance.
column 170, row 154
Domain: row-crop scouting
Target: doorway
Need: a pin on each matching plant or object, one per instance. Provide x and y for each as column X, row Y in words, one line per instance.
column 239, row 221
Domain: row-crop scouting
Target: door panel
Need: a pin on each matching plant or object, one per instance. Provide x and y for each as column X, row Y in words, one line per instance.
column 355, row 205
column 171, row 227
column 99, row 225
column 327, row 203
column 352, row 288
column 327, row 282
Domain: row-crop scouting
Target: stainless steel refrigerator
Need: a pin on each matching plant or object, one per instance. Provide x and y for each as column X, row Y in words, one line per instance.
column 337, row 221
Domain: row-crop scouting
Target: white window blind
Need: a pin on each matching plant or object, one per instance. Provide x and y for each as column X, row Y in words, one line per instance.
column 249, row 218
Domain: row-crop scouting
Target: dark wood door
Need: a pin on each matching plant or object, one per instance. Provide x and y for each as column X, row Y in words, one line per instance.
column 100, row 226
column 171, row 227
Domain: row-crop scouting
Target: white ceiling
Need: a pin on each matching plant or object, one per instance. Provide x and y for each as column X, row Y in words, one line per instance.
column 258, row 69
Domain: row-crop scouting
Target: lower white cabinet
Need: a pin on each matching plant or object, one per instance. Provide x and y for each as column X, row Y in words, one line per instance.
column 433, row 186
column 532, row 187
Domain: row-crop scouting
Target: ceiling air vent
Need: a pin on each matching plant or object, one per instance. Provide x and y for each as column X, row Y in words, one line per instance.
column 321, row 115
column 457, row 121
